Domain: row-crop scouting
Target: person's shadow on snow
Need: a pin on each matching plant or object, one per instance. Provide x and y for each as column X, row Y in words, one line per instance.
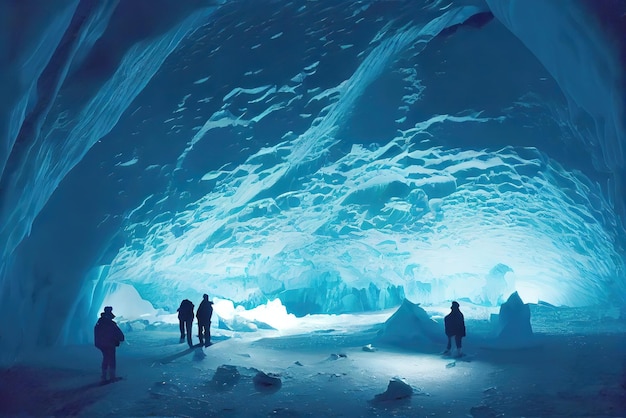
column 175, row 356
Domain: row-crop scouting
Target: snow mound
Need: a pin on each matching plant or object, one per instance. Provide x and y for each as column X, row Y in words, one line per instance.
column 268, row 383
column 411, row 327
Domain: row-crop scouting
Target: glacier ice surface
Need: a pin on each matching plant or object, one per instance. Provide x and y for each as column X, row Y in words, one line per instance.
column 260, row 161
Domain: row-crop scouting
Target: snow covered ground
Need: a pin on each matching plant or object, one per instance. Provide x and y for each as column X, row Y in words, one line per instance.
column 325, row 368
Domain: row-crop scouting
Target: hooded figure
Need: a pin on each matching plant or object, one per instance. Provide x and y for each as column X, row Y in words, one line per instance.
column 455, row 327
column 204, row 314
column 107, row 337
column 185, row 320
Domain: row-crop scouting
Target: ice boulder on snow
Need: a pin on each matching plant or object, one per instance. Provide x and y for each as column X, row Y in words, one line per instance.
column 334, row 356
column 225, row 377
column 411, row 326
column 240, row 324
column 514, row 328
column 137, row 325
column 397, row 390
column 267, row 383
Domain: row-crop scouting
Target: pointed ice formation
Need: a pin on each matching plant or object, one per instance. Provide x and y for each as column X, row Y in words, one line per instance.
column 411, row 326
column 514, row 327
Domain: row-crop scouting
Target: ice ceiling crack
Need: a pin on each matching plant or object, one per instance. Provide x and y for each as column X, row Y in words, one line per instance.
column 338, row 157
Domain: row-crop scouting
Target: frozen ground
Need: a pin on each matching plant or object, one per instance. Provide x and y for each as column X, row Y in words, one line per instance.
column 576, row 368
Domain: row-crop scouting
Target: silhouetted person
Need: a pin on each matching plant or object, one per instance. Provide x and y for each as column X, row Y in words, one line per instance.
column 204, row 314
column 107, row 337
column 455, row 327
column 185, row 320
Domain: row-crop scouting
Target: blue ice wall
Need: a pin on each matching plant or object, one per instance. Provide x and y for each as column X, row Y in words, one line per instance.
column 337, row 155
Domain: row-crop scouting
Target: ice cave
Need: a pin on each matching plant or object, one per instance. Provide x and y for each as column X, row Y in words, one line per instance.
column 333, row 173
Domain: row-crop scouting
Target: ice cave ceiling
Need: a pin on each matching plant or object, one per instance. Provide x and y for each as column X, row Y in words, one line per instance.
column 339, row 155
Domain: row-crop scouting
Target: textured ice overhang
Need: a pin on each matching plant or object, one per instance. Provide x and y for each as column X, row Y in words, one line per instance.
column 337, row 155
column 582, row 44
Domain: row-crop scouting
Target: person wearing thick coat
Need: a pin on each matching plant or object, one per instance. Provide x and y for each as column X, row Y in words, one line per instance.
column 454, row 327
column 204, row 314
column 107, row 337
column 185, row 320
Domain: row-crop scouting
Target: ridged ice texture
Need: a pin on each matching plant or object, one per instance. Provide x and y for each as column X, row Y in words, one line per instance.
column 331, row 229
column 399, row 215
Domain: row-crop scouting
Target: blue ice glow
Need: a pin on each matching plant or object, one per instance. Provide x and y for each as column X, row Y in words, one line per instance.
column 367, row 218
column 337, row 156
column 327, row 230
